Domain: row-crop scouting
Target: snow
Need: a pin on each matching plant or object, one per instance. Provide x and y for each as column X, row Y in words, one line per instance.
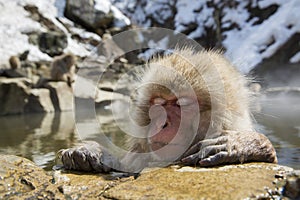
column 254, row 43
column 295, row 58
column 60, row 6
column 266, row 3
column 154, row 47
column 103, row 5
column 121, row 20
column 247, row 43
column 15, row 22
column 12, row 40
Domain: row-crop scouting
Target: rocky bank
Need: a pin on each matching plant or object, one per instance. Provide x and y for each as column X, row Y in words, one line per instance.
column 20, row 178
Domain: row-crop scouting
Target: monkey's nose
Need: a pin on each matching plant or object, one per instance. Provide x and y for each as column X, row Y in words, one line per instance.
column 165, row 125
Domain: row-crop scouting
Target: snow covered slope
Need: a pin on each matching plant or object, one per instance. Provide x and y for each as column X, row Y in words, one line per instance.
column 250, row 31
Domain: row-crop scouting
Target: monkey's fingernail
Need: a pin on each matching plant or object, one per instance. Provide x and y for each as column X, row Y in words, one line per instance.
column 187, row 159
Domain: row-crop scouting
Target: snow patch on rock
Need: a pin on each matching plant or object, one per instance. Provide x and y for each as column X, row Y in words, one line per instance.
column 250, row 45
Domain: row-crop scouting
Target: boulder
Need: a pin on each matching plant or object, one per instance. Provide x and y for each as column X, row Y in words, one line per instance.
column 96, row 14
column 252, row 180
column 61, row 95
column 109, row 49
column 14, row 94
column 39, row 101
column 292, row 186
column 52, row 43
column 20, row 178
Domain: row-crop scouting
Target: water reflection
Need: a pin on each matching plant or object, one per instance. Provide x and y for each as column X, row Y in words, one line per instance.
column 279, row 119
column 38, row 137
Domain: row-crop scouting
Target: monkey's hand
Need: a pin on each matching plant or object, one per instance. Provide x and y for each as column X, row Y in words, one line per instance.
column 88, row 157
column 231, row 147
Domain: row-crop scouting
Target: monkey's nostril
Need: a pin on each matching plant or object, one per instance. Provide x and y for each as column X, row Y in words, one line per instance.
column 165, row 125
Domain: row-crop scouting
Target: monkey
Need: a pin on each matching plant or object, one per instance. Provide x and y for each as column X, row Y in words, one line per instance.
column 14, row 62
column 189, row 108
column 63, row 68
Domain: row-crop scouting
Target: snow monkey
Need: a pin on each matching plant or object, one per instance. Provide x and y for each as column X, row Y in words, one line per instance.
column 63, row 68
column 190, row 108
column 14, row 62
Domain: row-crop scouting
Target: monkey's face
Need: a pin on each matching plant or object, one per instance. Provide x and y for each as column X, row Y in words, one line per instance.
column 170, row 106
column 173, row 125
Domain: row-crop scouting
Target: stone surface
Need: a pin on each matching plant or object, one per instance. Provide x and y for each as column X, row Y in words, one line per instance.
column 53, row 43
column 61, row 95
column 110, row 50
column 292, row 186
column 84, row 12
column 95, row 14
column 14, row 93
column 22, row 179
column 228, row 182
column 39, row 101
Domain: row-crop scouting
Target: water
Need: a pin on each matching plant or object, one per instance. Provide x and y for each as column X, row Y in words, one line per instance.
column 38, row 137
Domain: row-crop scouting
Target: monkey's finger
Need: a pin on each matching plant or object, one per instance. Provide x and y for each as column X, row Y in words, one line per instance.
column 219, row 158
column 204, row 143
column 81, row 161
column 195, row 148
column 192, row 159
column 212, row 150
column 66, row 158
column 94, row 160
column 214, row 141
column 207, row 151
column 227, row 132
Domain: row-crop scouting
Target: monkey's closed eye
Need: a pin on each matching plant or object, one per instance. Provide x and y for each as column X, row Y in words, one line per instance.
column 159, row 101
column 184, row 101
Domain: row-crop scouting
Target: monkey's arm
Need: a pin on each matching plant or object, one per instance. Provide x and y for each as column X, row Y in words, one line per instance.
column 88, row 157
column 231, row 147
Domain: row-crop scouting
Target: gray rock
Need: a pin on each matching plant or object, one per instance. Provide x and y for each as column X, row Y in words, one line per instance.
column 292, row 186
column 61, row 95
column 39, row 101
column 86, row 13
column 95, row 14
column 53, row 43
column 14, row 94
column 109, row 49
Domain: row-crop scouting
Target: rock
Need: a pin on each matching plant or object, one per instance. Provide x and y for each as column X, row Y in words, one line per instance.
column 53, row 43
column 279, row 69
column 14, row 94
column 292, row 186
column 89, row 13
column 39, row 101
column 228, row 182
column 20, row 178
column 13, row 73
column 61, row 95
column 86, row 89
column 109, row 49
column 98, row 14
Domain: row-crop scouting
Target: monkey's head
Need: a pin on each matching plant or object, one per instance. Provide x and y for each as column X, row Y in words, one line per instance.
column 171, row 97
column 69, row 60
